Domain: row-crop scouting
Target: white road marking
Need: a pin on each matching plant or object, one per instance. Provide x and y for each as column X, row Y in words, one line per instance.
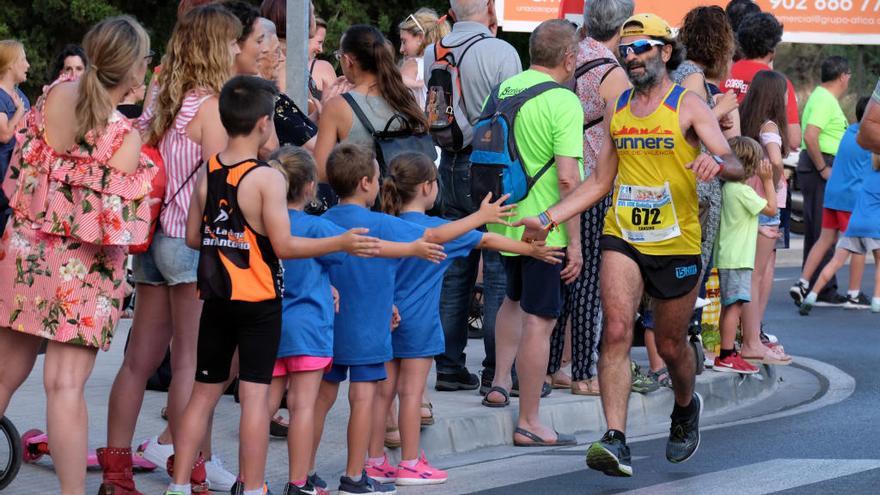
column 765, row 477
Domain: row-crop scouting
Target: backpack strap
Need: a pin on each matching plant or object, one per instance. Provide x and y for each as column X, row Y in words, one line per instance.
column 362, row 117
column 592, row 64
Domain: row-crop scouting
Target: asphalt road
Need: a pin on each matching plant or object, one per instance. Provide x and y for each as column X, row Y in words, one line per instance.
column 833, row 449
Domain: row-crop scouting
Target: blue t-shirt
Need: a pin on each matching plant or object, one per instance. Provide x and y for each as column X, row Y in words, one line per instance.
column 863, row 222
column 307, row 302
column 851, row 165
column 7, row 106
column 417, row 294
column 362, row 327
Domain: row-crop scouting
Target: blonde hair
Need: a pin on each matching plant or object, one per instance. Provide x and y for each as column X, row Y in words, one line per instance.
column 114, row 46
column 10, row 51
column 298, row 168
column 749, row 152
column 425, row 22
column 197, row 57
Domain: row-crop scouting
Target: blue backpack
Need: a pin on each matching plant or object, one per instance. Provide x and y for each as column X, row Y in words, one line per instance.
column 496, row 165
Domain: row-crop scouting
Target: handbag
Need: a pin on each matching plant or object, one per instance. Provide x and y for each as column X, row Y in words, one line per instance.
column 388, row 144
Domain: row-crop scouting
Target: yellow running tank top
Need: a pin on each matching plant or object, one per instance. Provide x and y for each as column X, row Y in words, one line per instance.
column 655, row 207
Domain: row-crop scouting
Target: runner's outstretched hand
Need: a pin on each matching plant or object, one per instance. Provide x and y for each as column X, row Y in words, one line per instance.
column 355, row 242
column 534, row 229
column 704, row 167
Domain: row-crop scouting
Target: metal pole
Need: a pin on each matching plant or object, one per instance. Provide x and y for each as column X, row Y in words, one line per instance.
column 298, row 51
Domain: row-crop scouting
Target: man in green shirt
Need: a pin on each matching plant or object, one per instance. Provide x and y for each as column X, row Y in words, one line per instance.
column 548, row 126
column 824, row 124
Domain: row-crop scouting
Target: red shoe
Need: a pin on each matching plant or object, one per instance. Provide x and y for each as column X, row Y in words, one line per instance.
column 199, row 477
column 734, row 363
column 118, row 478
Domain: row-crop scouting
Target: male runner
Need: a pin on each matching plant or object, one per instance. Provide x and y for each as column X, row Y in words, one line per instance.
column 651, row 239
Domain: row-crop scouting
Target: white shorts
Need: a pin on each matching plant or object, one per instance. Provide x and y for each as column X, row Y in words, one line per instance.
column 858, row 245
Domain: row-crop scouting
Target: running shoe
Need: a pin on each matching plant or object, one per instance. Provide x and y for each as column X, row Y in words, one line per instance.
column 805, row 307
column 317, row 481
column 610, row 456
column 768, row 338
column 307, row 489
column 238, row 488
column 798, row 292
column 734, row 363
column 157, row 453
column 383, row 473
column 684, row 435
column 365, row 485
column 641, row 383
column 219, row 479
column 860, row 301
column 662, row 377
column 832, row 301
column 420, row 474
column 875, row 305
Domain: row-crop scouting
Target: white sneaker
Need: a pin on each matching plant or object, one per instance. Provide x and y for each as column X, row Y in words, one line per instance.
column 219, row 479
column 701, row 303
column 157, row 453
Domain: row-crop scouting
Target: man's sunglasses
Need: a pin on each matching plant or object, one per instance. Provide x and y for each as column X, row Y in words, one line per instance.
column 638, row 47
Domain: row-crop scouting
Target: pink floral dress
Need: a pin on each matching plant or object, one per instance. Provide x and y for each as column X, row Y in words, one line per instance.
column 63, row 254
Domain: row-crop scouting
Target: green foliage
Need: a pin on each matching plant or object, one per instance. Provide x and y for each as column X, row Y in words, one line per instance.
column 45, row 26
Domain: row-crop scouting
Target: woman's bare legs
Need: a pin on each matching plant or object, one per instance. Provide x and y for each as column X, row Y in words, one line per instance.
column 66, row 369
column 150, row 335
column 18, row 351
column 186, row 310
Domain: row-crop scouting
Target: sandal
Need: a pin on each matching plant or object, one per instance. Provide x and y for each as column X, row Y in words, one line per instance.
column 560, row 380
column 586, row 387
column 774, row 356
column 562, row 439
column 392, row 442
column 279, row 426
column 501, row 390
column 546, row 389
column 427, row 420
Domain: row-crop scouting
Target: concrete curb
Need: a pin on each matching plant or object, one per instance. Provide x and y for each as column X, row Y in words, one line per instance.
column 472, row 426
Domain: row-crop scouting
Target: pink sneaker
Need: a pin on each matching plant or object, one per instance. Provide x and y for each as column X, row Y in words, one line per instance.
column 420, row 474
column 383, row 473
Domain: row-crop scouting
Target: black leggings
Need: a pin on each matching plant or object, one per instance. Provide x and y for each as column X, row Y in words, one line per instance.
column 581, row 303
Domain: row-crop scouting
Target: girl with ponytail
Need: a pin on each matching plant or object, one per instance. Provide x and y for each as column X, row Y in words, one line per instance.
column 408, row 192
column 72, row 232
column 417, row 31
column 377, row 88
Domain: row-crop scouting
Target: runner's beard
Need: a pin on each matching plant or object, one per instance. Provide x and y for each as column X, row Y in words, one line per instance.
column 652, row 69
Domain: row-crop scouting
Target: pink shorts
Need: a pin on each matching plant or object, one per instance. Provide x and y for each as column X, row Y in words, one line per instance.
column 293, row 364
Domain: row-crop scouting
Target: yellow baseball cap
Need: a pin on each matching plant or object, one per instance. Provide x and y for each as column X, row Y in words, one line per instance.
column 646, row 25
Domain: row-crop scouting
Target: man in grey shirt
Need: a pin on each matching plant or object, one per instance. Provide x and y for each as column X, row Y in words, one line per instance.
column 488, row 62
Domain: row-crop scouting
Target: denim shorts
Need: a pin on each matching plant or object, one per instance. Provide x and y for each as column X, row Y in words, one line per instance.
column 168, row 261
column 765, row 221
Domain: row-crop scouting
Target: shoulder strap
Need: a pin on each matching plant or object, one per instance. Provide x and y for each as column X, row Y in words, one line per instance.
column 513, row 103
column 312, row 65
column 592, row 64
column 470, row 42
column 188, row 177
column 623, row 100
column 362, row 117
column 674, row 97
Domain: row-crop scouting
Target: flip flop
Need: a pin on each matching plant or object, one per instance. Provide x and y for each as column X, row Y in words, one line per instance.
column 773, row 357
column 585, row 387
column 428, row 420
column 562, row 439
column 501, row 390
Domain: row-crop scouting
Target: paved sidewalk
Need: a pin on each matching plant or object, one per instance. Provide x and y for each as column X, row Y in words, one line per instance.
column 463, row 425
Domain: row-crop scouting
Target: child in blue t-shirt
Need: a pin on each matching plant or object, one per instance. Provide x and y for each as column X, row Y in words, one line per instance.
column 862, row 236
column 408, row 191
column 305, row 349
column 362, row 327
column 735, row 251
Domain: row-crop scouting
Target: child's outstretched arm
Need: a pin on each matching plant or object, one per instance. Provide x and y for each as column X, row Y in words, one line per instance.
column 765, row 173
column 489, row 212
column 537, row 249
column 419, row 248
column 276, row 222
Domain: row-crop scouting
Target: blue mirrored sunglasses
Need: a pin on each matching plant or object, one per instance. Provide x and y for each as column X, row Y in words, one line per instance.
column 638, row 47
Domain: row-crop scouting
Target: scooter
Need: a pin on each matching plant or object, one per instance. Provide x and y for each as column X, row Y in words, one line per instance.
column 35, row 444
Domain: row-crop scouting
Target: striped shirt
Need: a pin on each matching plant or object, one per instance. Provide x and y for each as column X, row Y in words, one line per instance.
column 182, row 156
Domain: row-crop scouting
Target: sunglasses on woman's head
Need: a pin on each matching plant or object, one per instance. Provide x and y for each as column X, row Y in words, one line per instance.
column 638, row 47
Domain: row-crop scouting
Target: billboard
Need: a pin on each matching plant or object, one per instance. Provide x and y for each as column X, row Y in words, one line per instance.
column 806, row 21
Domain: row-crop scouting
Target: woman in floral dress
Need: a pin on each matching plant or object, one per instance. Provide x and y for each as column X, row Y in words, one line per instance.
column 77, row 186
